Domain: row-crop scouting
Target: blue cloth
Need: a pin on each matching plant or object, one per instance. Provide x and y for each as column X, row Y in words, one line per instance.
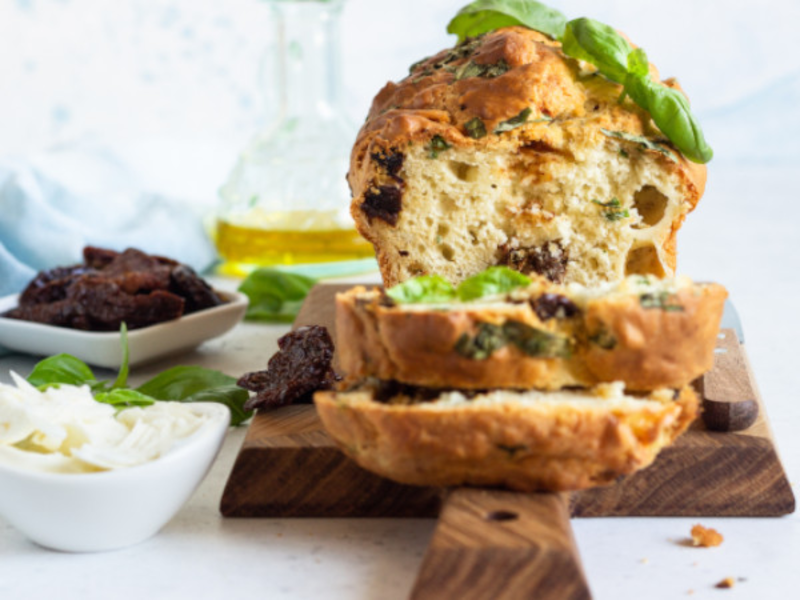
column 54, row 205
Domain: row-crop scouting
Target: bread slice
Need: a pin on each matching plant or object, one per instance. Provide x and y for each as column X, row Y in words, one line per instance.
column 527, row 441
column 503, row 150
column 646, row 332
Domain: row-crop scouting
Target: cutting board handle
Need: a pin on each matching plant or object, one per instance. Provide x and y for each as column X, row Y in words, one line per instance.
column 502, row 545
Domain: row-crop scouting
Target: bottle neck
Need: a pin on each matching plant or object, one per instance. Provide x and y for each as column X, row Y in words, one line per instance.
column 308, row 65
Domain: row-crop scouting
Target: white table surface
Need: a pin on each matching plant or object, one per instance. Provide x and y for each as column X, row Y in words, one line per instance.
column 744, row 235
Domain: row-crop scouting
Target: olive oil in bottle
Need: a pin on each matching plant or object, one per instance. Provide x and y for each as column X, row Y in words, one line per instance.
column 290, row 238
column 286, row 201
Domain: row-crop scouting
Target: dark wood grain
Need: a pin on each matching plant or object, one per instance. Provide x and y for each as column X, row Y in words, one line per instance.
column 729, row 400
column 289, row 467
column 502, row 545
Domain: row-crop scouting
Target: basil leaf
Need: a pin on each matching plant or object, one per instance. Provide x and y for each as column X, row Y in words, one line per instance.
column 483, row 344
column 179, row 383
column 671, row 113
column 124, row 398
column 600, row 45
column 533, row 342
column 492, row 281
column 61, row 369
column 482, row 16
column 536, row 342
column 197, row 384
column 487, row 71
column 275, row 296
column 231, row 396
column 660, row 300
column 638, row 63
column 437, row 144
column 428, row 289
column 642, row 141
column 513, row 122
column 475, row 128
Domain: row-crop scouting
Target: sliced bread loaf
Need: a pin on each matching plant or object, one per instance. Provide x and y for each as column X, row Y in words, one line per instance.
column 647, row 332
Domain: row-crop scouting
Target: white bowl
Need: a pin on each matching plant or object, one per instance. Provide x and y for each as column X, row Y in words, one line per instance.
column 103, row 349
column 91, row 512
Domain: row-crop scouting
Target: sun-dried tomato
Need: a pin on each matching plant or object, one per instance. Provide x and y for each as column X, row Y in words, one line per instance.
column 110, row 288
column 301, row 366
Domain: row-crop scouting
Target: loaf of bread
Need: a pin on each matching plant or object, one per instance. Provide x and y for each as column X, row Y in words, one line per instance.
column 527, row 441
column 503, row 150
column 646, row 332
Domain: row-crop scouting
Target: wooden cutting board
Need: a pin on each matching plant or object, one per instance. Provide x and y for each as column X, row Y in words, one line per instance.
column 496, row 543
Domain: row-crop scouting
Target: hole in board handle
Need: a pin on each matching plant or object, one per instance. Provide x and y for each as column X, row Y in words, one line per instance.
column 501, row 515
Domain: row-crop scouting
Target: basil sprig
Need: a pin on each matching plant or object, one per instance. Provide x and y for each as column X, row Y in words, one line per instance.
column 615, row 58
column 435, row 289
column 180, row 384
column 600, row 45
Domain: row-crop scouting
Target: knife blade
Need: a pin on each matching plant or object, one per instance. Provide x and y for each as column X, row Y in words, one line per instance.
column 731, row 320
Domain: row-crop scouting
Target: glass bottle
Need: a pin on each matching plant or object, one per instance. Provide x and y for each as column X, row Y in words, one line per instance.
column 286, row 202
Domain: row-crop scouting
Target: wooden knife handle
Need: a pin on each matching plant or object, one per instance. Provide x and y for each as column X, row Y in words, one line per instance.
column 729, row 400
column 502, row 545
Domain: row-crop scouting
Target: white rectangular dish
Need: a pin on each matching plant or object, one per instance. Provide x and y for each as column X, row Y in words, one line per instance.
column 103, row 349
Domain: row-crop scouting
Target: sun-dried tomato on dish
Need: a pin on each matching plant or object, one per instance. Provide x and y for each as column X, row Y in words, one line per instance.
column 301, row 366
column 110, row 288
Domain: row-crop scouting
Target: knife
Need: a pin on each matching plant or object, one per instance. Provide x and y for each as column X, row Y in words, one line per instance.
column 729, row 399
column 731, row 320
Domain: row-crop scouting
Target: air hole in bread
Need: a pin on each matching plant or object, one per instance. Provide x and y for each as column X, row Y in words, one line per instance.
column 473, row 237
column 464, row 171
column 644, row 261
column 448, row 253
column 651, row 205
column 442, row 230
column 416, row 268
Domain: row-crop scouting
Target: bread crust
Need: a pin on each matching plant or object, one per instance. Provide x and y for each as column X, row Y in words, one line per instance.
column 613, row 338
column 433, row 101
column 533, row 447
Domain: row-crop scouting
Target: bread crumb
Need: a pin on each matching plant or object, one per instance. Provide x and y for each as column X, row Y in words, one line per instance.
column 690, row 592
column 706, row 537
column 726, row 583
column 643, row 561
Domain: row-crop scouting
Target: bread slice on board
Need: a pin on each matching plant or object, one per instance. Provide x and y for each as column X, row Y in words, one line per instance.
column 646, row 332
column 527, row 441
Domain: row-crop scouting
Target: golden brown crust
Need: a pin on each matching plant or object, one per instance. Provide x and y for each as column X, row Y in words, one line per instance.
column 571, row 108
column 526, row 447
column 654, row 347
column 431, row 101
column 613, row 338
